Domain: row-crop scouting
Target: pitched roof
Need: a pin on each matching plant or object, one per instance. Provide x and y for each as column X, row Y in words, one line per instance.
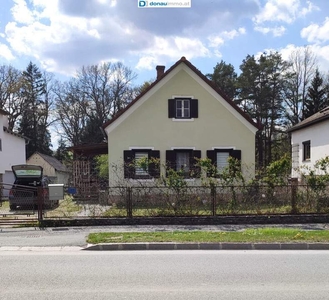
column 320, row 116
column 5, row 129
column 203, row 77
column 55, row 163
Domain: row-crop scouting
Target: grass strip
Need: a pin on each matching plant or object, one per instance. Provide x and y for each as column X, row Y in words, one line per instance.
column 273, row 235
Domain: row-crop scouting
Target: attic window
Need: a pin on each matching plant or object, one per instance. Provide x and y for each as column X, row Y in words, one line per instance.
column 183, row 108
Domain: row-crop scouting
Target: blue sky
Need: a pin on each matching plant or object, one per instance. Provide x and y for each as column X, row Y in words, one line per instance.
column 61, row 36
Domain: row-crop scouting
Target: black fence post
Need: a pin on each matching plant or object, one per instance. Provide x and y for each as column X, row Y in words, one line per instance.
column 40, row 201
column 213, row 200
column 294, row 188
column 129, row 202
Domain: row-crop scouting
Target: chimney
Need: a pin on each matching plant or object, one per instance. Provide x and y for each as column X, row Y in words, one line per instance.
column 160, row 71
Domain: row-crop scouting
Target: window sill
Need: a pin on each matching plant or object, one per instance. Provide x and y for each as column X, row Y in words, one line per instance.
column 306, row 160
column 141, row 180
column 182, row 120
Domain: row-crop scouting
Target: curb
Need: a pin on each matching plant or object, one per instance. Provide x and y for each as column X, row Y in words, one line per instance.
column 206, row 246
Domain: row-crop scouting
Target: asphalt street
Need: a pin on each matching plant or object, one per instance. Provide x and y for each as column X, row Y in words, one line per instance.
column 293, row 275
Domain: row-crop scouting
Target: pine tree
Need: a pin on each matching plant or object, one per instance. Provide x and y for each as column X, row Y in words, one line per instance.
column 316, row 99
column 225, row 78
column 32, row 92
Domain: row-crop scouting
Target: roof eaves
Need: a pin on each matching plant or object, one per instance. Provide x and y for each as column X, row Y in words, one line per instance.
column 5, row 129
column 316, row 118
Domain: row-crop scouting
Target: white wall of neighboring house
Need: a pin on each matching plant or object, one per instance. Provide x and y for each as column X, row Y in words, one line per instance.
column 12, row 153
column 318, row 135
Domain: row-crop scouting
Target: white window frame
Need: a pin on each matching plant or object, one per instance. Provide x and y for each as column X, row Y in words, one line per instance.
column 182, row 98
column 135, row 180
column 182, row 109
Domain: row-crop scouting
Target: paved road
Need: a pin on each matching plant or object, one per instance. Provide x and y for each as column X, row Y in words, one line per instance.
column 164, row 275
column 76, row 236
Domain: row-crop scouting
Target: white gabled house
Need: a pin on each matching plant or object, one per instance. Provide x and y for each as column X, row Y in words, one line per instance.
column 309, row 141
column 12, row 150
column 179, row 118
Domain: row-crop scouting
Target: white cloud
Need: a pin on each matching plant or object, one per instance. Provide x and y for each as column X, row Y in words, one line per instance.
column 286, row 11
column 315, row 33
column 218, row 40
column 21, row 13
column 276, row 31
column 171, row 49
column 321, row 52
column 5, row 52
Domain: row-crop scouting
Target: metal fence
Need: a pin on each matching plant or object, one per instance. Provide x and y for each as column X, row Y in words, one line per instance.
column 24, row 204
column 193, row 201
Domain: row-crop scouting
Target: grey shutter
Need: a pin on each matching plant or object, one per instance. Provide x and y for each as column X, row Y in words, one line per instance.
column 194, row 108
column 171, row 108
column 211, row 154
column 154, row 169
column 129, row 169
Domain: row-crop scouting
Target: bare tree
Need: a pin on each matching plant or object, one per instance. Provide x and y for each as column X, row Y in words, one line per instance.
column 95, row 96
column 70, row 110
column 10, row 100
column 302, row 65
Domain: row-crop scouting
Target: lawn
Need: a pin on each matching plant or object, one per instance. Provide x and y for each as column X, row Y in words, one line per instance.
column 272, row 235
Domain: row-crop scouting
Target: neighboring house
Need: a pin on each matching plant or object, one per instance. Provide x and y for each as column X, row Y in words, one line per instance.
column 53, row 168
column 12, row 151
column 179, row 117
column 310, row 141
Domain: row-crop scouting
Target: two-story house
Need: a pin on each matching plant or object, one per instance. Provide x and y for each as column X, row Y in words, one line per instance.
column 179, row 118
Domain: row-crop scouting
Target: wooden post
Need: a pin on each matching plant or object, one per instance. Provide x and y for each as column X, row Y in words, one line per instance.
column 294, row 188
column 129, row 202
column 40, row 201
column 213, row 200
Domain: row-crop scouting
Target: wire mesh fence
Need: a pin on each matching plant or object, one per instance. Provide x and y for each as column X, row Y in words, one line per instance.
column 162, row 201
column 152, row 201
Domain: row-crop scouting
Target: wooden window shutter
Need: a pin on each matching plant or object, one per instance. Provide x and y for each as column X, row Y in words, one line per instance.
column 154, row 168
column 170, row 160
column 129, row 169
column 194, row 108
column 171, row 108
column 211, row 154
column 237, row 155
column 196, row 155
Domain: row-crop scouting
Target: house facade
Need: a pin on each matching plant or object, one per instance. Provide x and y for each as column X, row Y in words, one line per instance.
column 181, row 117
column 12, row 150
column 52, row 167
column 310, row 142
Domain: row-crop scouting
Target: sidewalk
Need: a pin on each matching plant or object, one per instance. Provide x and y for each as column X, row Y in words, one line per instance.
column 63, row 237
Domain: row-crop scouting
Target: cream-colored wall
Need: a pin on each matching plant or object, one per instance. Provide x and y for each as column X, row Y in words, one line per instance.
column 36, row 159
column 149, row 125
column 48, row 170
